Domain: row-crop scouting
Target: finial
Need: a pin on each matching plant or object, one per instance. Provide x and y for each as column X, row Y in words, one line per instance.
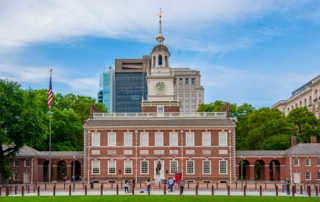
column 160, row 14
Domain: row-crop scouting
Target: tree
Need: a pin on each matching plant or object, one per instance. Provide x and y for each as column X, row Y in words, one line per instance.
column 306, row 123
column 21, row 122
column 265, row 123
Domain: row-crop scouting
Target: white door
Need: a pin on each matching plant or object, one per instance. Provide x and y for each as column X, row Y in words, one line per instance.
column 296, row 177
column 26, row 178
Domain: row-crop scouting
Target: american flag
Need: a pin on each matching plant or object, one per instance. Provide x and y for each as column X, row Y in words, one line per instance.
column 50, row 91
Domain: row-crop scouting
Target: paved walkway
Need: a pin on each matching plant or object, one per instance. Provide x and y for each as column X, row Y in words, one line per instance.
column 160, row 192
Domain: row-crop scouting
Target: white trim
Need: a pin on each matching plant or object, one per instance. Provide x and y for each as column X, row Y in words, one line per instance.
column 95, row 165
column 171, row 135
column 14, row 176
column 110, row 141
column 223, row 139
column 305, row 162
column 170, row 164
column 189, row 138
column 226, row 162
column 155, row 138
column 124, row 165
column 305, row 175
column 16, row 161
column 318, row 162
column 144, row 136
column 115, row 167
column 298, row 160
column 206, row 141
column 141, row 167
column 95, row 139
column 192, row 166
column 127, row 137
column 203, row 167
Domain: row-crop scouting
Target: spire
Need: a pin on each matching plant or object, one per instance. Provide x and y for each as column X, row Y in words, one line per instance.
column 160, row 37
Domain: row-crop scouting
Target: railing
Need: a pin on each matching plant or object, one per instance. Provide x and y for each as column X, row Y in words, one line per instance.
column 161, row 115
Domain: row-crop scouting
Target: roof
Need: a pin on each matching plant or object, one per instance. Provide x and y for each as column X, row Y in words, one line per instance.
column 155, row 122
column 160, row 47
column 258, row 153
column 304, row 149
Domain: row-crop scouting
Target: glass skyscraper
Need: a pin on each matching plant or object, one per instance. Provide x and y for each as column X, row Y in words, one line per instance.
column 106, row 89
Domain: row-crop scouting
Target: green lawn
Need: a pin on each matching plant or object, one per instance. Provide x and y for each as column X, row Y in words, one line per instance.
column 157, row 198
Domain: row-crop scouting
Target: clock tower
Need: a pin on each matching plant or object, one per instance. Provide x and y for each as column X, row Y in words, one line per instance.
column 160, row 80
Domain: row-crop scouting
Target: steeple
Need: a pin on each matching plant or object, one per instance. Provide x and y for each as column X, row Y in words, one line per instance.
column 160, row 37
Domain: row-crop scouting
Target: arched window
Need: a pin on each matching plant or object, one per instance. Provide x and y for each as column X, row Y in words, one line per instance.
column 300, row 103
column 154, row 61
column 296, row 105
column 166, row 61
column 291, row 107
column 160, row 60
column 310, row 100
column 316, row 93
column 305, row 102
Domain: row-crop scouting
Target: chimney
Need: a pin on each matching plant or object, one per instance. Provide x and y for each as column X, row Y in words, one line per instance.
column 313, row 139
column 293, row 141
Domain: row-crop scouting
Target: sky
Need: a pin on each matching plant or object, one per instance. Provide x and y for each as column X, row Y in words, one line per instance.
column 247, row 51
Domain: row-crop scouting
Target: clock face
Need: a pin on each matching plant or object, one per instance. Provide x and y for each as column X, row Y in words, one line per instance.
column 160, row 86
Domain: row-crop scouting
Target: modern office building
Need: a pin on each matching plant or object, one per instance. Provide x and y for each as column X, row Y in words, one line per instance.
column 106, row 89
column 188, row 89
column 308, row 95
column 130, row 83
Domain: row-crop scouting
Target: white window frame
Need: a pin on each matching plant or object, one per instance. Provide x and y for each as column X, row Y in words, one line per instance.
column 307, row 162
column 221, row 167
column 112, row 165
column 15, row 176
column 173, row 139
column 204, row 168
column 318, row 175
column 95, row 165
column 16, row 163
column 173, row 166
column 157, row 140
column 144, row 170
column 189, row 138
column 187, row 167
column 223, row 139
column 306, row 175
column 206, row 138
column 144, row 139
column 27, row 163
column 127, row 139
column 296, row 162
column 318, row 161
column 112, row 141
column 95, row 139
column 127, row 164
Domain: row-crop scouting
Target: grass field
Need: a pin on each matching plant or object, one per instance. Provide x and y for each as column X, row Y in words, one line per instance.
column 157, row 198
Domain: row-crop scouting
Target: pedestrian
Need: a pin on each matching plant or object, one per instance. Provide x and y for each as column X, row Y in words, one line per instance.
column 287, row 183
column 126, row 186
column 153, row 184
column 170, row 185
column 91, row 183
column 148, row 185
column 133, row 184
column 182, row 185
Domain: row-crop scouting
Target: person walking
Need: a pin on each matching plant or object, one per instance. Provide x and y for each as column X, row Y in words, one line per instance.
column 148, row 185
column 287, row 183
column 126, row 186
column 91, row 183
column 182, row 185
column 171, row 185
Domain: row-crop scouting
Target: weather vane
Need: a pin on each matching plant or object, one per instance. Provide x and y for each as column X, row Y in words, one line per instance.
column 160, row 13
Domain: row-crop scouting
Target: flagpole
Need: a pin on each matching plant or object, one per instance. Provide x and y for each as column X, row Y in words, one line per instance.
column 49, row 105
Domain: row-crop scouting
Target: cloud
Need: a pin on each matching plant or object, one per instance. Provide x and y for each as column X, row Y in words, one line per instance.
column 32, row 22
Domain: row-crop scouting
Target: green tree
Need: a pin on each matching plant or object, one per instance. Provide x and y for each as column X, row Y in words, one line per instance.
column 21, row 122
column 264, row 123
column 306, row 123
column 277, row 142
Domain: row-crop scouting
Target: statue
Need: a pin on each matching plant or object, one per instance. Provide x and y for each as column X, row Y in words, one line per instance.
column 158, row 168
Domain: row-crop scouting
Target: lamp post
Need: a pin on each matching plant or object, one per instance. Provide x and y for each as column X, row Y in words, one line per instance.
column 73, row 176
column 241, row 169
column 136, row 132
column 181, row 153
